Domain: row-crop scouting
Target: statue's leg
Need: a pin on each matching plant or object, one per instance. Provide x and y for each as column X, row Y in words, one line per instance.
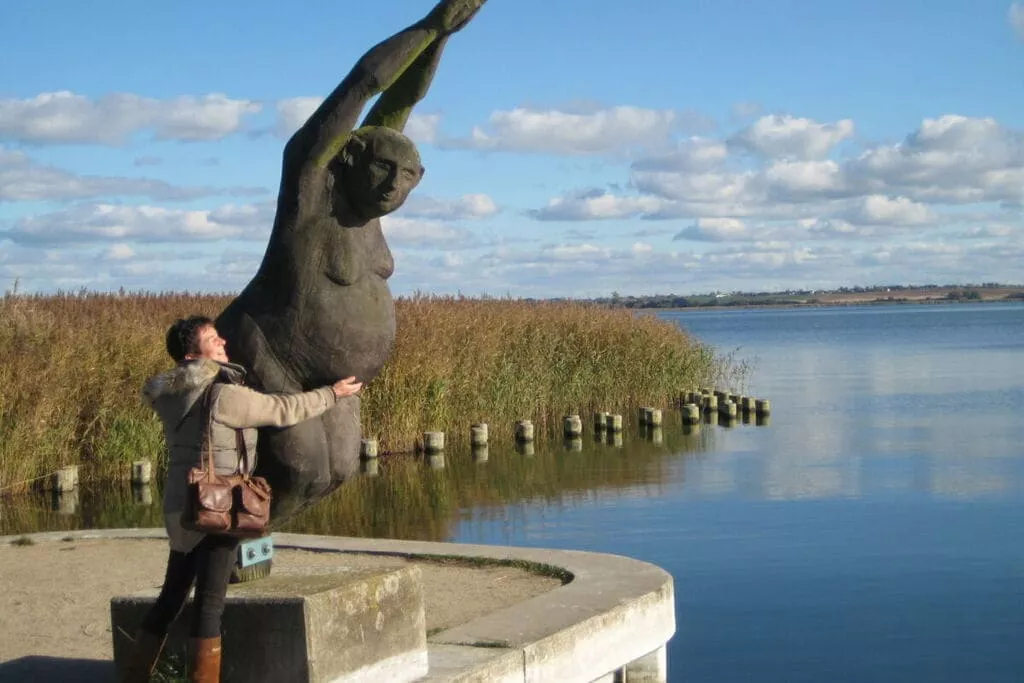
column 295, row 463
column 344, row 432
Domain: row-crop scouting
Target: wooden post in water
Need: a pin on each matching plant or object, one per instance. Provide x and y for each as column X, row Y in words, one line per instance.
column 710, row 404
column 433, row 442
column 478, row 434
column 572, row 426
column 613, row 423
column 763, row 407
column 691, row 414
column 654, row 417
column 600, row 418
column 368, row 449
column 142, row 472
column 524, row 431
column 748, row 404
column 727, row 409
column 65, row 479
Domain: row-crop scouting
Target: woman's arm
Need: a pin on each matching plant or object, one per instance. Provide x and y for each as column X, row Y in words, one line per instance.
column 240, row 407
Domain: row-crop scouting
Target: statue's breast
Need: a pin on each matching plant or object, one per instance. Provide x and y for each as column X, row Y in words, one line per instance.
column 341, row 255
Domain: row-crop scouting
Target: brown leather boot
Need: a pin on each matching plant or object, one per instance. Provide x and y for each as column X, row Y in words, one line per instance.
column 142, row 657
column 204, row 660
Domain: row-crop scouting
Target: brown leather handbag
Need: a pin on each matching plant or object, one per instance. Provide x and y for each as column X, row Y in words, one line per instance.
column 235, row 504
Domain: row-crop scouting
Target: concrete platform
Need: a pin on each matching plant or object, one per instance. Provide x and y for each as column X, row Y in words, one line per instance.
column 309, row 625
column 610, row 622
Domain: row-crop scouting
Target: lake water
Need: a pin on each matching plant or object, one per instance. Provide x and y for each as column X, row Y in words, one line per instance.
column 872, row 531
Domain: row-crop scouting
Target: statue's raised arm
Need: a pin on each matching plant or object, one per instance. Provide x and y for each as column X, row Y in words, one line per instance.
column 400, row 68
column 319, row 307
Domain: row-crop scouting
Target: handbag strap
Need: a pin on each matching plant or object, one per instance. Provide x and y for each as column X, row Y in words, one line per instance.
column 208, row 463
column 243, row 453
column 240, row 448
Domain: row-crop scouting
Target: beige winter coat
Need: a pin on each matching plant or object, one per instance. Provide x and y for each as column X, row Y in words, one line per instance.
column 176, row 396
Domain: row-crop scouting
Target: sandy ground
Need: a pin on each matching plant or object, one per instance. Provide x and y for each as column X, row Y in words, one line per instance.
column 55, row 596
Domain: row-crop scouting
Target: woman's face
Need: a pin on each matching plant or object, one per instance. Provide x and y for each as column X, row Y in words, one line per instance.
column 211, row 345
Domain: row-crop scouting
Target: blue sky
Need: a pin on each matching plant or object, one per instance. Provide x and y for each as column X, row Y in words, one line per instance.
column 573, row 147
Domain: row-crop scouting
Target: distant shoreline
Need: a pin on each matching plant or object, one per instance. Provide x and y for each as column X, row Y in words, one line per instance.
column 832, row 304
column 919, row 295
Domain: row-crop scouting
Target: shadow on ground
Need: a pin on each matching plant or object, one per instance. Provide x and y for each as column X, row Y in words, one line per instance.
column 56, row 670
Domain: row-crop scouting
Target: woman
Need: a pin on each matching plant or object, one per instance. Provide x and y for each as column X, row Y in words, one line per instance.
column 206, row 559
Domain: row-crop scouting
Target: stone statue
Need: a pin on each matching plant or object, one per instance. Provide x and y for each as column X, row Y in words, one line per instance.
column 319, row 308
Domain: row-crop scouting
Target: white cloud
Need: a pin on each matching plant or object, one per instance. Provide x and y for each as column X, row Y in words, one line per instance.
column 404, row 232
column 1016, row 18
column 64, row 117
column 712, row 192
column 596, row 205
column 468, row 206
column 21, row 179
column 802, row 180
column 788, row 137
column 880, row 210
column 693, row 154
column 553, row 131
column 996, row 231
column 93, row 223
column 714, row 230
column 118, row 252
column 951, row 159
column 292, row 112
column 423, row 128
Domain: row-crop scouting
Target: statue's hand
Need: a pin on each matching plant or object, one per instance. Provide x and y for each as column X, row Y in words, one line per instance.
column 450, row 16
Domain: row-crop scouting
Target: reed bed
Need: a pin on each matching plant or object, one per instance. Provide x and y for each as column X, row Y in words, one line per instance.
column 71, row 366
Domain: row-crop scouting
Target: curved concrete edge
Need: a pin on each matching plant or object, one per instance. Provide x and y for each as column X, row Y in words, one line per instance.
column 614, row 611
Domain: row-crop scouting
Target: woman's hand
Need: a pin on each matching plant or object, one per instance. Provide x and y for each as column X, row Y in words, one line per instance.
column 346, row 387
column 450, row 16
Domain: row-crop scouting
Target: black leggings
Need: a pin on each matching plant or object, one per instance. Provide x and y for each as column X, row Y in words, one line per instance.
column 209, row 566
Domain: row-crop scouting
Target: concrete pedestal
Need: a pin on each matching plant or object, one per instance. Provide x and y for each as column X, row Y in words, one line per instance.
column 310, row 625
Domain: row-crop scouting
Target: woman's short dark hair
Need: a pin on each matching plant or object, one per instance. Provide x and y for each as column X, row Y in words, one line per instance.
column 183, row 336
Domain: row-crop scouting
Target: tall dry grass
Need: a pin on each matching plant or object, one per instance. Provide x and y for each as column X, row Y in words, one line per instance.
column 71, row 366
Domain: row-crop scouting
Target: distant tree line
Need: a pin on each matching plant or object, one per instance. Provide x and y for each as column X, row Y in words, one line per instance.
column 887, row 293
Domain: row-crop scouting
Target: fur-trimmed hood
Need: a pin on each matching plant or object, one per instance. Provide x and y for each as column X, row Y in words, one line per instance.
column 184, row 383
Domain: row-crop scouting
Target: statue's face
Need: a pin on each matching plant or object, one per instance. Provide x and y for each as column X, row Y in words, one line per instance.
column 380, row 175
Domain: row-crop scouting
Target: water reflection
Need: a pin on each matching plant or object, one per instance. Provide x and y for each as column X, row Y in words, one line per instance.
column 423, row 498
column 86, row 507
column 919, row 400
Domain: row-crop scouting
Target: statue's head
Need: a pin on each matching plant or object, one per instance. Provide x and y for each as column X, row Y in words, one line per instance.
column 379, row 167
